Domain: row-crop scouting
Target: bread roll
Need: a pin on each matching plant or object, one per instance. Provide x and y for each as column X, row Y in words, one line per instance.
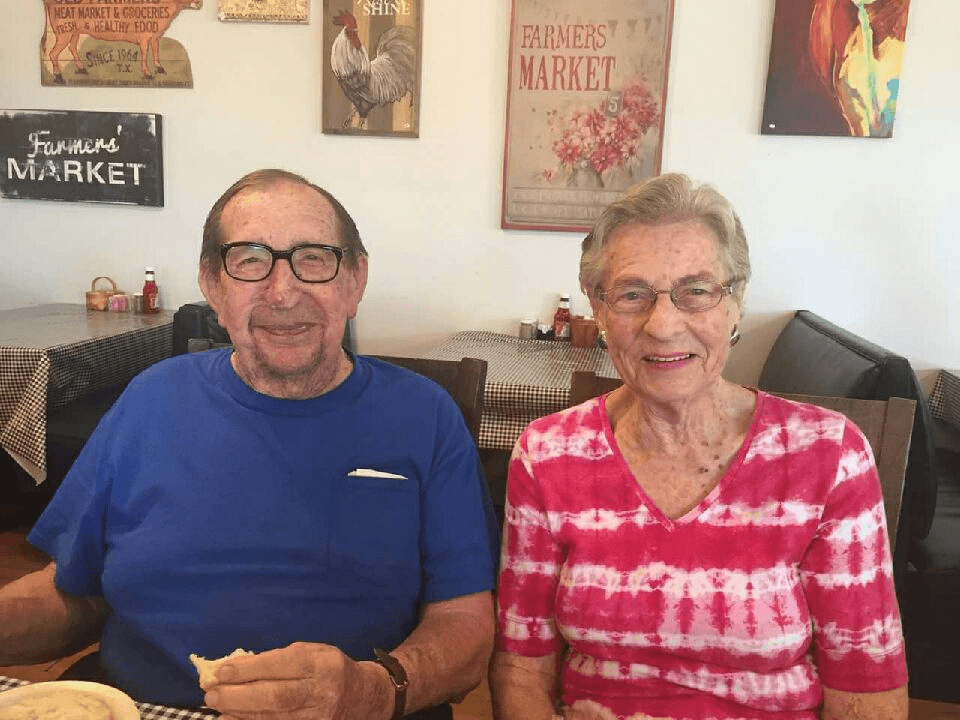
column 207, row 669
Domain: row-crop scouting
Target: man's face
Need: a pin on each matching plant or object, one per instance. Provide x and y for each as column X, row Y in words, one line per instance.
column 286, row 333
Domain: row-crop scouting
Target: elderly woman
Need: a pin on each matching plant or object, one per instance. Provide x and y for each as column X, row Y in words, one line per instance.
column 684, row 547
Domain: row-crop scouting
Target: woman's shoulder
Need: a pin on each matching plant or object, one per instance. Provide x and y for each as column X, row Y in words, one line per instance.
column 775, row 406
column 571, row 419
column 573, row 427
column 798, row 422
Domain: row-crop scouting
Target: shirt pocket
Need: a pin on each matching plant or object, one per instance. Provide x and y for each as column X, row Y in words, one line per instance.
column 376, row 530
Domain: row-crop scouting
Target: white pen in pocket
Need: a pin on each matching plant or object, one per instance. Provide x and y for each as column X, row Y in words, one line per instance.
column 367, row 472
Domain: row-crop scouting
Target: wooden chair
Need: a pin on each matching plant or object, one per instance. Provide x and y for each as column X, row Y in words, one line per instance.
column 464, row 379
column 586, row 384
column 887, row 425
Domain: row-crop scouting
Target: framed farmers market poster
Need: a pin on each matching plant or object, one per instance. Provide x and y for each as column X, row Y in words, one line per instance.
column 587, row 86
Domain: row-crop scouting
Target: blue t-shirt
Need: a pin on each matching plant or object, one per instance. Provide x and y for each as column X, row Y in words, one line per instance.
column 211, row 517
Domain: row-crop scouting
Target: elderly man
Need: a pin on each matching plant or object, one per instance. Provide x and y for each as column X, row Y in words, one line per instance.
column 323, row 510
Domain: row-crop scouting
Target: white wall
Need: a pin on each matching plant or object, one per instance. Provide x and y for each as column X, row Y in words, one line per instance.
column 861, row 231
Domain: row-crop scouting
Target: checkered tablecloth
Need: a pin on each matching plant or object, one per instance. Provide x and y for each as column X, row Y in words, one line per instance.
column 526, row 379
column 53, row 354
column 945, row 397
column 147, row 711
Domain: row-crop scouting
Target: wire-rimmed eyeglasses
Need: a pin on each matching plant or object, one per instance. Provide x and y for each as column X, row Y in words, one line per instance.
column 252, row 262
column 691, row 296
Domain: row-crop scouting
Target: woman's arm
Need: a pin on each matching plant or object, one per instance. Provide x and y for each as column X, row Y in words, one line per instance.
column 38, row 622
column 523, row 688
column 888, row 705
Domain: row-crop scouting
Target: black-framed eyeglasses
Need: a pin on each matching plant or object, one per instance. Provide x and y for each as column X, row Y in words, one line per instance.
column 692, row 296
column 252, row 262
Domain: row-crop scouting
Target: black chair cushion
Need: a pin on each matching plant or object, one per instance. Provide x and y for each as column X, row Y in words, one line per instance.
column 812, row 356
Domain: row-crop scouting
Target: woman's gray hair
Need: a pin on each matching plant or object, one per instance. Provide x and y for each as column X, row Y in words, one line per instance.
column 667, row 198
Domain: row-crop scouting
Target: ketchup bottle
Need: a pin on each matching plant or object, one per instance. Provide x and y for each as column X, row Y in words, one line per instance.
column 151, row 293
column 561, row 319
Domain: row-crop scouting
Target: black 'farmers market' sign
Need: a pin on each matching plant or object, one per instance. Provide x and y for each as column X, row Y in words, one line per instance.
column 102, row 157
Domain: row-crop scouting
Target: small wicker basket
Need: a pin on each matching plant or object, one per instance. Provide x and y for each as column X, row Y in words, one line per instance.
column 99, row 299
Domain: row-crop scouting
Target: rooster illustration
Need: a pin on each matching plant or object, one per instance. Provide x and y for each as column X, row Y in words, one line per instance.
column 381, row 81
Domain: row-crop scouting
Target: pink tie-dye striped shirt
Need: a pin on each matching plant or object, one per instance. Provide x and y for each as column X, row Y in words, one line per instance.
column 778, row 581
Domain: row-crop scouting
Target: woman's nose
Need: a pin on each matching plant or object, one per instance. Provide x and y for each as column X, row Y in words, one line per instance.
column 664, row 319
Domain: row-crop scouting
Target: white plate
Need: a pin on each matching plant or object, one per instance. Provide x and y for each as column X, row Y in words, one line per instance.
column 121, row 704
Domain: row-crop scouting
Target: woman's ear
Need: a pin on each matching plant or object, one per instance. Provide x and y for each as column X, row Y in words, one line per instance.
column 596, row 304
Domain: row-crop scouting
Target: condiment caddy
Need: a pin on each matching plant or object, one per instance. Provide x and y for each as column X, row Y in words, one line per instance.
column 118, row 301
column 581, row 331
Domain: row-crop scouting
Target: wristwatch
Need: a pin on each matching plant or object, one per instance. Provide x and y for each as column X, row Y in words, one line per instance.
column 398, row 676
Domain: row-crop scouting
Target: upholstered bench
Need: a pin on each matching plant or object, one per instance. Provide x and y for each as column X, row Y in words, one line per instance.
column 815, row 357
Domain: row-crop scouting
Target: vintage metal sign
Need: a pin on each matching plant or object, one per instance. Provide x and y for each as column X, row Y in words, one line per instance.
column 278, row 11
column 116, row 43
column 586, row 99
column 371, row 70
column 101, row 157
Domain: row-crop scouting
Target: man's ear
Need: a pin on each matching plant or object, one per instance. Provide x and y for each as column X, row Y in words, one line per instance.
column 210, row 286
column 357, row 285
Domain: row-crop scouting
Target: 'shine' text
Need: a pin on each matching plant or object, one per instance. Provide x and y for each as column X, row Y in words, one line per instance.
column 385, row 7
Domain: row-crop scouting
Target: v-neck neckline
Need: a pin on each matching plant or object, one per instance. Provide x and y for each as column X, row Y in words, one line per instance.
column 710, row 498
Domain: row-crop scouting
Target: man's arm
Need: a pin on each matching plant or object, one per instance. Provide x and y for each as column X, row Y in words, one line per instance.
column 448, row 653
column 444, row 657
column 889, row 705
column 38, row 622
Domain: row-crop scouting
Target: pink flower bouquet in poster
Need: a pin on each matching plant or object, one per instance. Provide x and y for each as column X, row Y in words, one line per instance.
column 591, row 140
column 585, row 108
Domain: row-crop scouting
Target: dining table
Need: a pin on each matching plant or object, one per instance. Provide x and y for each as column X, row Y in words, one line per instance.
column 945, row 397
column 53, row 354
column 526, row 379
column 148, row 711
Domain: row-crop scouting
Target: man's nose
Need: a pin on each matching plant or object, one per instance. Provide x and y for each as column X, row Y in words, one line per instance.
column 282, row 283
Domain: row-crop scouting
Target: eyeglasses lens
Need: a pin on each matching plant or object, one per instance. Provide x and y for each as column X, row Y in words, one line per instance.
column 248, row 262
column 315, row 264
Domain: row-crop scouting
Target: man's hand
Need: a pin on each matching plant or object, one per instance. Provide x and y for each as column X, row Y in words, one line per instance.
column 303, row 680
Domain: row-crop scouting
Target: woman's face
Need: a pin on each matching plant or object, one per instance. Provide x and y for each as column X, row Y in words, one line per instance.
column 666, row 355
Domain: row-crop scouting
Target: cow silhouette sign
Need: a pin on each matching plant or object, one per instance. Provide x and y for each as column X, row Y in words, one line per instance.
column 92, row 43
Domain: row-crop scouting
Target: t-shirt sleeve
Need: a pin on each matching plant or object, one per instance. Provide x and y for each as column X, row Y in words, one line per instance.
column 529, row 565
column 460, row 533
column 71, row 528
column 847, row 576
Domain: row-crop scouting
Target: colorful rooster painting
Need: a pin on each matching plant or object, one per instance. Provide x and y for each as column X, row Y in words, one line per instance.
column 835, row 67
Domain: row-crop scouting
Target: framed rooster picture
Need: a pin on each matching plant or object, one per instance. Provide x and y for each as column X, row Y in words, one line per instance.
column 371, row 67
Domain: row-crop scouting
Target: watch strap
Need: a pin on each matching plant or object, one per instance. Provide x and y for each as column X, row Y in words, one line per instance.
column 398, row 676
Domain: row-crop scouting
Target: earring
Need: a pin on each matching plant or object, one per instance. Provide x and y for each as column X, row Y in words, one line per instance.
column 602, row 339
column 735, row 336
